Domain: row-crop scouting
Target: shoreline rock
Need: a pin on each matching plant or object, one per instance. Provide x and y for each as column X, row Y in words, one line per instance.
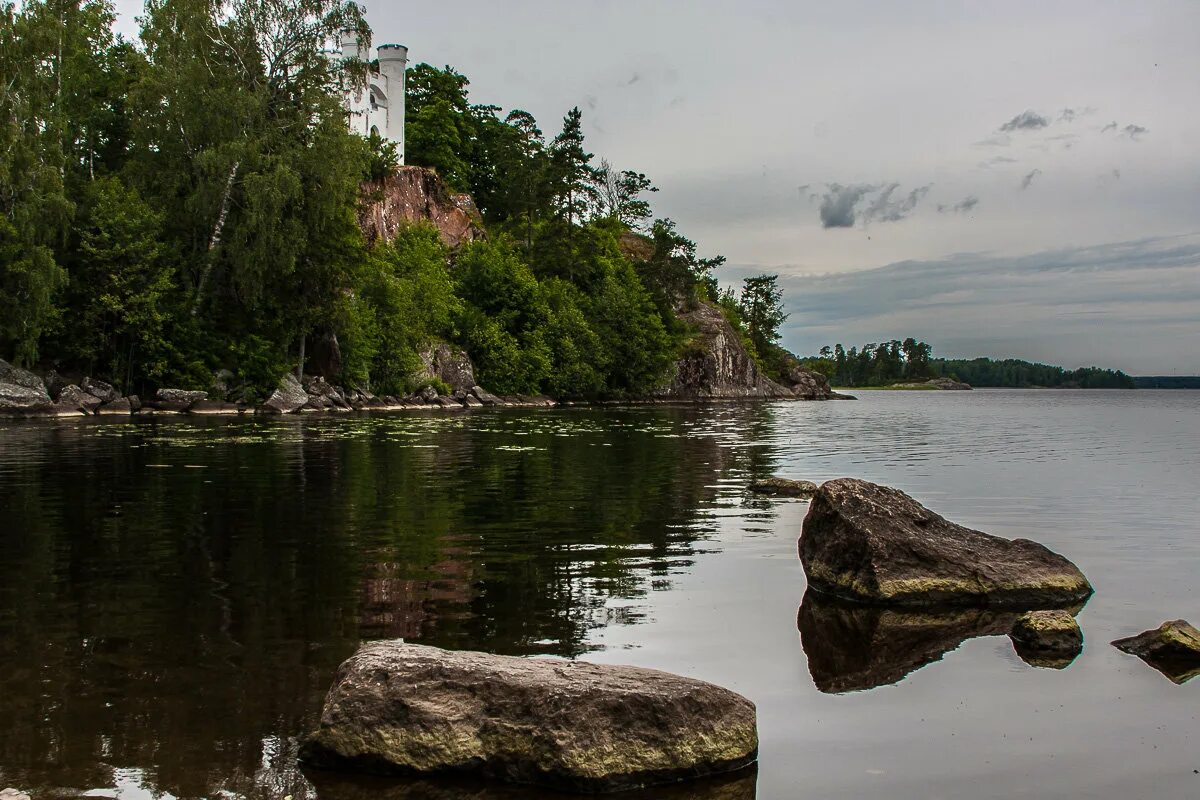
column 873, row 544
column 1172, row 648
column 398, row 708
column 1049, row 638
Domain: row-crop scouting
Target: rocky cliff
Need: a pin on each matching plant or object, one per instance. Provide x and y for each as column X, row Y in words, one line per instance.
column 418, row 194
column 717, row 366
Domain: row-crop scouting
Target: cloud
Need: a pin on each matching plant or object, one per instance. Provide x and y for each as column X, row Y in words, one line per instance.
column 838, row 206
column 1115, row 305
column 637, row 76
column 842, row 206
column 1025, row 121
column 885, row 208
column 1112, row 126
column 1000, row 140
column 995, row 160
column 1134, row 131
column 1071, row 114
column 1028, row 179
column 964, row 206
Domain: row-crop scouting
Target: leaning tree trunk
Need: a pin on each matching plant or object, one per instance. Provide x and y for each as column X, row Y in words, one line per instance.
column 215, row 240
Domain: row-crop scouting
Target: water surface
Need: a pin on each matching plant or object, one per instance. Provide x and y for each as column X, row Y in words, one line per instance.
column 176, row 593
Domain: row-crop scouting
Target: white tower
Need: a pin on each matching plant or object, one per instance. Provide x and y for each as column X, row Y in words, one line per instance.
column 379, row 106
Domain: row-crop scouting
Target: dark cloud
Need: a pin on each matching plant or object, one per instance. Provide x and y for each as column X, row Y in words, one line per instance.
column 637, row 76
column 1028, row 179
column 843, row 206
column 964, row 206
column 1112, row 126
column 1134, row 131
column 839, row 205
column 1025, row 121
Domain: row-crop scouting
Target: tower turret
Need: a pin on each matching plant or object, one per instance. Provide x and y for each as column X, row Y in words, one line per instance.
column 393, row 61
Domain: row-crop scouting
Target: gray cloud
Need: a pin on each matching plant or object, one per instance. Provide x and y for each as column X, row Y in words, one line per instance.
column 1112, row 126
column 1052, row 306
column 842, row 206
column 964, row 206
column 839, row 205
column 1028, row 179
column 1025, row 121
column 886, row 208
column 1134, row 131
column 995, row 160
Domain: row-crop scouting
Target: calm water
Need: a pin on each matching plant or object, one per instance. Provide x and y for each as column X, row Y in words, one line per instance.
column 175, row 594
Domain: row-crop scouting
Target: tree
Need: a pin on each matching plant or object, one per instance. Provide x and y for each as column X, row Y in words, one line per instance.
column 674, row 270
column 619, row 192
column 762, row 309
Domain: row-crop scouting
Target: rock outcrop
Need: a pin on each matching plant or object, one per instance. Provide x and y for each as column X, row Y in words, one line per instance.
column 418, row 194
column 20, row 388
column 717, row 366
column 873, row 544
column 447, row 364
column 1050, row 638
column 1173, row 649
column 411, row 709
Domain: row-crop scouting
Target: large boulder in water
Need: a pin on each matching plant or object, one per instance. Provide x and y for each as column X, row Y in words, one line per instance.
column 410, row 709
column 20, row 388
column 873, row 544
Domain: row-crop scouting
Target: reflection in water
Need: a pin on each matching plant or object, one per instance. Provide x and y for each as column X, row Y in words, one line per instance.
column 332, row 786
column 852, row 647
column 175, row 596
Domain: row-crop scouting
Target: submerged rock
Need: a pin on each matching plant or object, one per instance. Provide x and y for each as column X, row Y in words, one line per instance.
column 784, row 487
column 411, row 709
column 873, row 544
column 1047, row 638
column 1173, row 649
column 20, row 388
column 288, row 397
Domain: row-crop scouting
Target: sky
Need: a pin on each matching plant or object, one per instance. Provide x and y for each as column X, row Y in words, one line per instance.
column 1013, row 179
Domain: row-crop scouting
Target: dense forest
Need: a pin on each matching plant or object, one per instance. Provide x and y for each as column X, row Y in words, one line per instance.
column 1167, row 382
column 896, row 361
column 187, row 203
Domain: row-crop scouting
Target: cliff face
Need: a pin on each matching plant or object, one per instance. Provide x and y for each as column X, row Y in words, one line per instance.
column 716, row 366
column 418, row 194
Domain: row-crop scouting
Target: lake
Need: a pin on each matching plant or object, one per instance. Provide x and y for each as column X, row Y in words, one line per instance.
column 175, row 594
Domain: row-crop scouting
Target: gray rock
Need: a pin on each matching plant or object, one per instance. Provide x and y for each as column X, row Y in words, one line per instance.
column 13, row 794
column 1047, row 638
column 20, row 388
column 121, row 407
column 873, row 544
column 448, row 364
column 428, row 394
column 784, row 487
column 209, row 408
column 183, row 396
column 405, row 708
column 289, row 397
column 105, row 391
column 73, row 396
column 1173, row 649
column 484, row 396
column 471, row 401
column 56, row 383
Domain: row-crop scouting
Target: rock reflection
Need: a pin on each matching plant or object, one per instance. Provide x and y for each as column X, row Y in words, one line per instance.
column 333, row 786
column 851, row 648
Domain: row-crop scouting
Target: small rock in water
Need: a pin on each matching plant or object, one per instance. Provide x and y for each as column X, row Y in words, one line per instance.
column 1173, row 649
column 784, row 487
column 873, row 544
column 410, row 709
column 1047, row 638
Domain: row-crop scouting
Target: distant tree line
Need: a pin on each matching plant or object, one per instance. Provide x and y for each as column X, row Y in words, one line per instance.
column 902, row 361
column 187, row 202
column 1167, row 382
